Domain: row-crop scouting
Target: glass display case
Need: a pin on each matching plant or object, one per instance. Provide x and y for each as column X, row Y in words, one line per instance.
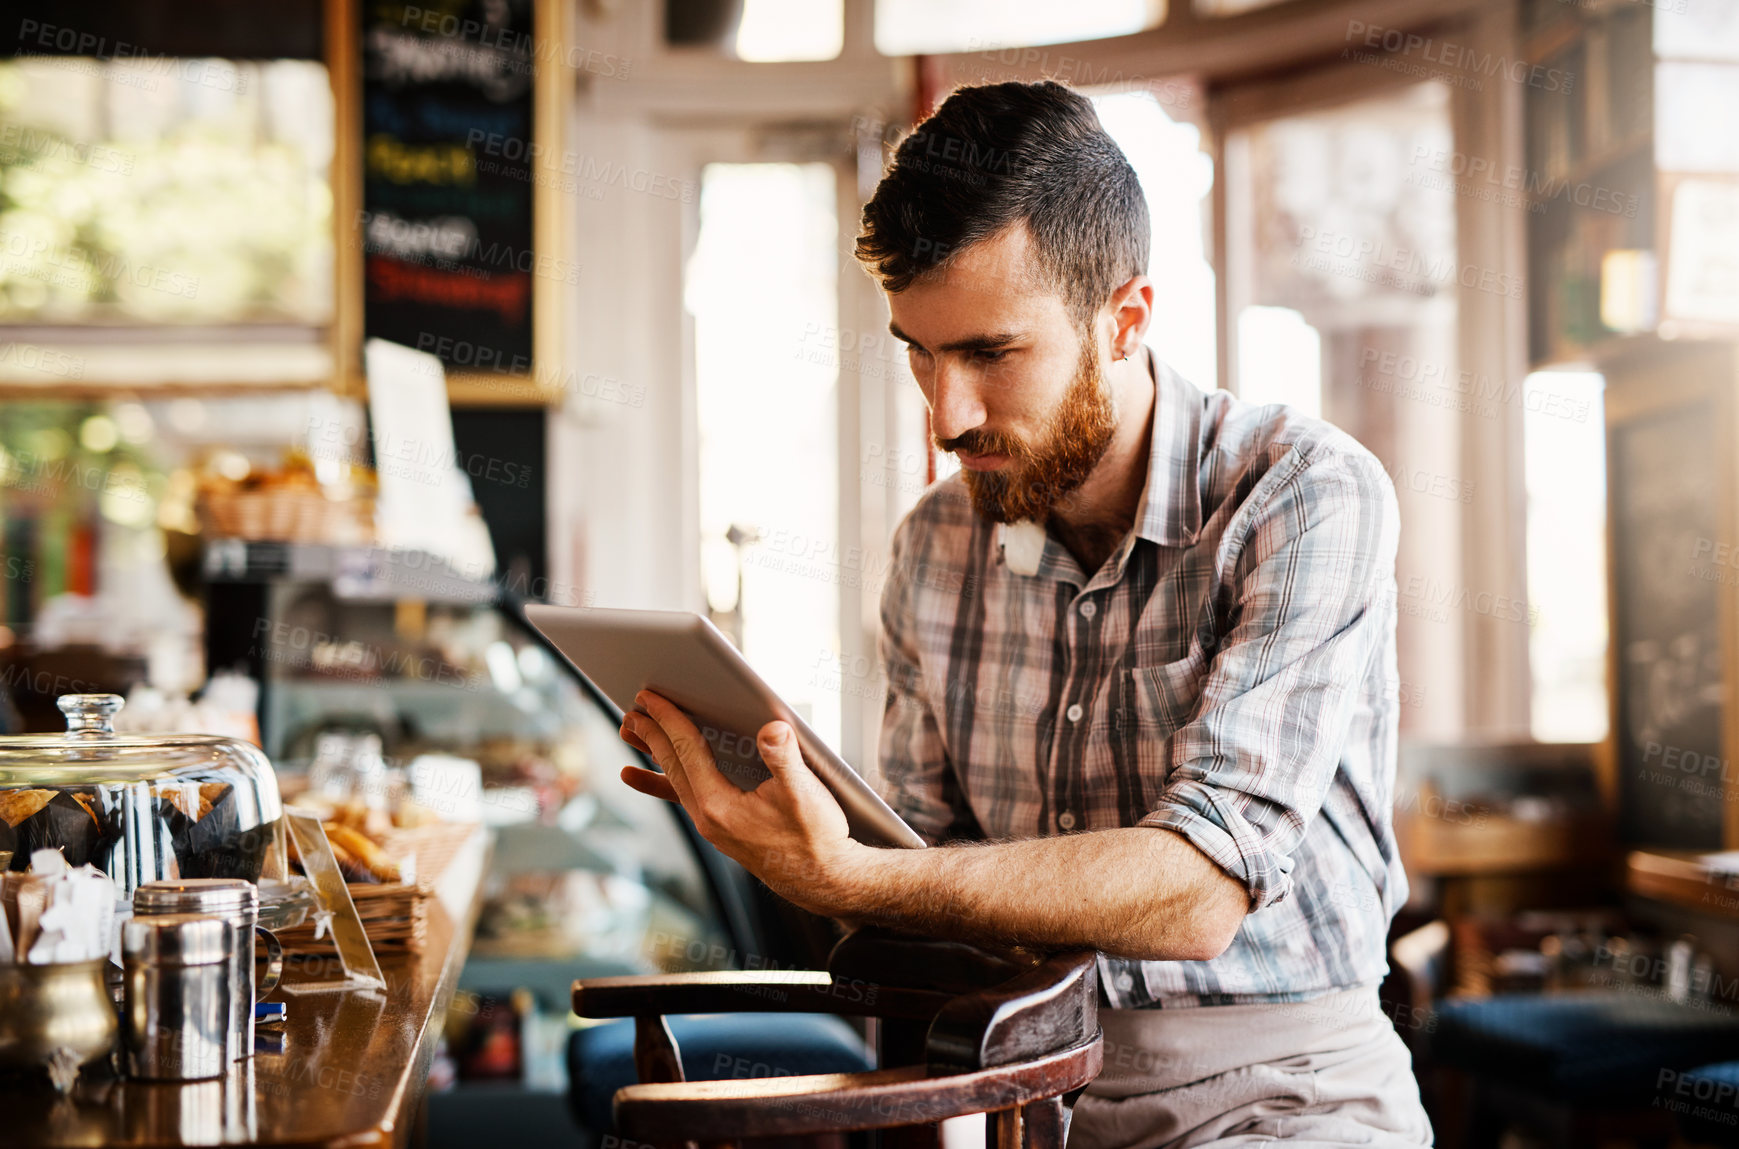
column 588, row 877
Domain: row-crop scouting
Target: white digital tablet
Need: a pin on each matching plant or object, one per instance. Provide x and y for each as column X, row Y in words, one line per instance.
column 688, row 660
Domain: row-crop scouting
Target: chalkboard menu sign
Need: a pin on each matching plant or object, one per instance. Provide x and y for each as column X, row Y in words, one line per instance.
column 1671, row 695
column 446, row 225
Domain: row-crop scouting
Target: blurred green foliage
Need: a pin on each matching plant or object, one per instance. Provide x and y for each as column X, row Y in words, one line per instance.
column 144, row 191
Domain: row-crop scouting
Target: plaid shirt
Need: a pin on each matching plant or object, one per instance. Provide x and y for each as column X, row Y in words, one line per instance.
column 1229, row 673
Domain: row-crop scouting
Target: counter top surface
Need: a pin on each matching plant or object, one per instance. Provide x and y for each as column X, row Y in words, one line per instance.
column 352, row 1068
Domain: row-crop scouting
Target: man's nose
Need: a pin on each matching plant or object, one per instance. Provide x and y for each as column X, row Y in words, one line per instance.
column 955, row 405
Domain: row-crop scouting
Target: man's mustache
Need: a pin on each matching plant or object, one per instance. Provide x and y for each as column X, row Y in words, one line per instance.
column 982, row 443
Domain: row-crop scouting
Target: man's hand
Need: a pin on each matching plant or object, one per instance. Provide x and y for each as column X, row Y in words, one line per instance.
column 789, row 831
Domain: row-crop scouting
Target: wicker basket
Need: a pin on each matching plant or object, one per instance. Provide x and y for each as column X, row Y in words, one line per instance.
column 395, row 915
column 289, row 514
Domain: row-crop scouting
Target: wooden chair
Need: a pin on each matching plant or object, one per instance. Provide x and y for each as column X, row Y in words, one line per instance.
column 961, row 1030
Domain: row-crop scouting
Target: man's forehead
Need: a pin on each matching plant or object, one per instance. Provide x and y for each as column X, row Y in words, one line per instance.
column 1009, row 257
column 996, row 282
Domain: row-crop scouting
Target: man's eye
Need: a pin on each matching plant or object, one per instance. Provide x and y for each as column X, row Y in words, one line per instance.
column 989, row 356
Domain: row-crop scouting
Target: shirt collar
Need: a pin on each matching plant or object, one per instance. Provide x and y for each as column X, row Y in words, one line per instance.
column 1170, row 512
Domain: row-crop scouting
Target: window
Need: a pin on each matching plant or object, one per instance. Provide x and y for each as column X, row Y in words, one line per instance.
column 1279, row 359
column 1176, row 177
column 1565, row 462
column 911, row 27
column 762, row 275
column 165, row 191
column 777, row 30
column 157, row 212
column 1342, row 296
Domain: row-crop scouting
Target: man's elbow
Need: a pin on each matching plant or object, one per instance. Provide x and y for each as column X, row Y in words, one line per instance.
column 1201, row 933
column 1202, row 913
column 1218, row 923
column 1213, row 922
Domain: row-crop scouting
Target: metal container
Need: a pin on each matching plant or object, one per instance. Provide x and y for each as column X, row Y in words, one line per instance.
column 139, row 807
column 178, row 995
column 238, row 903
column 55, row 1017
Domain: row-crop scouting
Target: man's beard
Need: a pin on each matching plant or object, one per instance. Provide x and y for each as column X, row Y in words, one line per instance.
column 1035, row 481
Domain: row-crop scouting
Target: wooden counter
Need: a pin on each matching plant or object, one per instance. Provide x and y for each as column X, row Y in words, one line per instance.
column 1677, row 877
column 351, row 1072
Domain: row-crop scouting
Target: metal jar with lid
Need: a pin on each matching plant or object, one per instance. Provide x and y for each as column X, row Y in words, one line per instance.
column 139, row 807
column 177, row 995
column 238, row 903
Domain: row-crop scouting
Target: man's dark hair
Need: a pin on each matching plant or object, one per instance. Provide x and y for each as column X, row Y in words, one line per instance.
column 1002, row 154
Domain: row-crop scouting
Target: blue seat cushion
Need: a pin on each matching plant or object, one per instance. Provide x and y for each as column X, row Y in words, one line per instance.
column 1706, row 1102
column 714, row 1047
column 1596, row 1048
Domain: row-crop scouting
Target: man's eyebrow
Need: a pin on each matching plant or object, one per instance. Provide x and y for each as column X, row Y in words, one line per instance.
column 989, row 341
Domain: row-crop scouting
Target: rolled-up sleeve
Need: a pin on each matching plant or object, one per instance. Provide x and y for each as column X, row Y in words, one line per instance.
column 1315, row 600
column 913, row 773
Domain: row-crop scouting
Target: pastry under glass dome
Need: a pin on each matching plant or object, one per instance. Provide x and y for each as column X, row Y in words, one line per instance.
column 139, row 807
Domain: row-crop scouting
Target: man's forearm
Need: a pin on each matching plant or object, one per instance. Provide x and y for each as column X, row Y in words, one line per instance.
column 1137, row 892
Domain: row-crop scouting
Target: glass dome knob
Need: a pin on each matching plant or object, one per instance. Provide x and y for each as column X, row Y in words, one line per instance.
column 90, row 715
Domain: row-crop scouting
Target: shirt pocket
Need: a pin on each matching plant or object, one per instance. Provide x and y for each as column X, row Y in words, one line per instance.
column 1157, row 701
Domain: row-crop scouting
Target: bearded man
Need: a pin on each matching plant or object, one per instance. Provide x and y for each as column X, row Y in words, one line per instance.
column 1141, row 663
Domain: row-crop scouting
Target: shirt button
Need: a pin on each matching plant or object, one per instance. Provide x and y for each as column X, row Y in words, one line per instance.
column 1089, row 609
column 1066, row 820
column 1074, row 712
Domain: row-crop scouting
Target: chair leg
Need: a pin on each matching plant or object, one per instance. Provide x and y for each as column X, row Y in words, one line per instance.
column 1045, row 1123
column 656, row 1058
column 1003, row 1129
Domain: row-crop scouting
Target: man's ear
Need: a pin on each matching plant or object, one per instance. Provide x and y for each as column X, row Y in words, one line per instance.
column 1131, row 309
